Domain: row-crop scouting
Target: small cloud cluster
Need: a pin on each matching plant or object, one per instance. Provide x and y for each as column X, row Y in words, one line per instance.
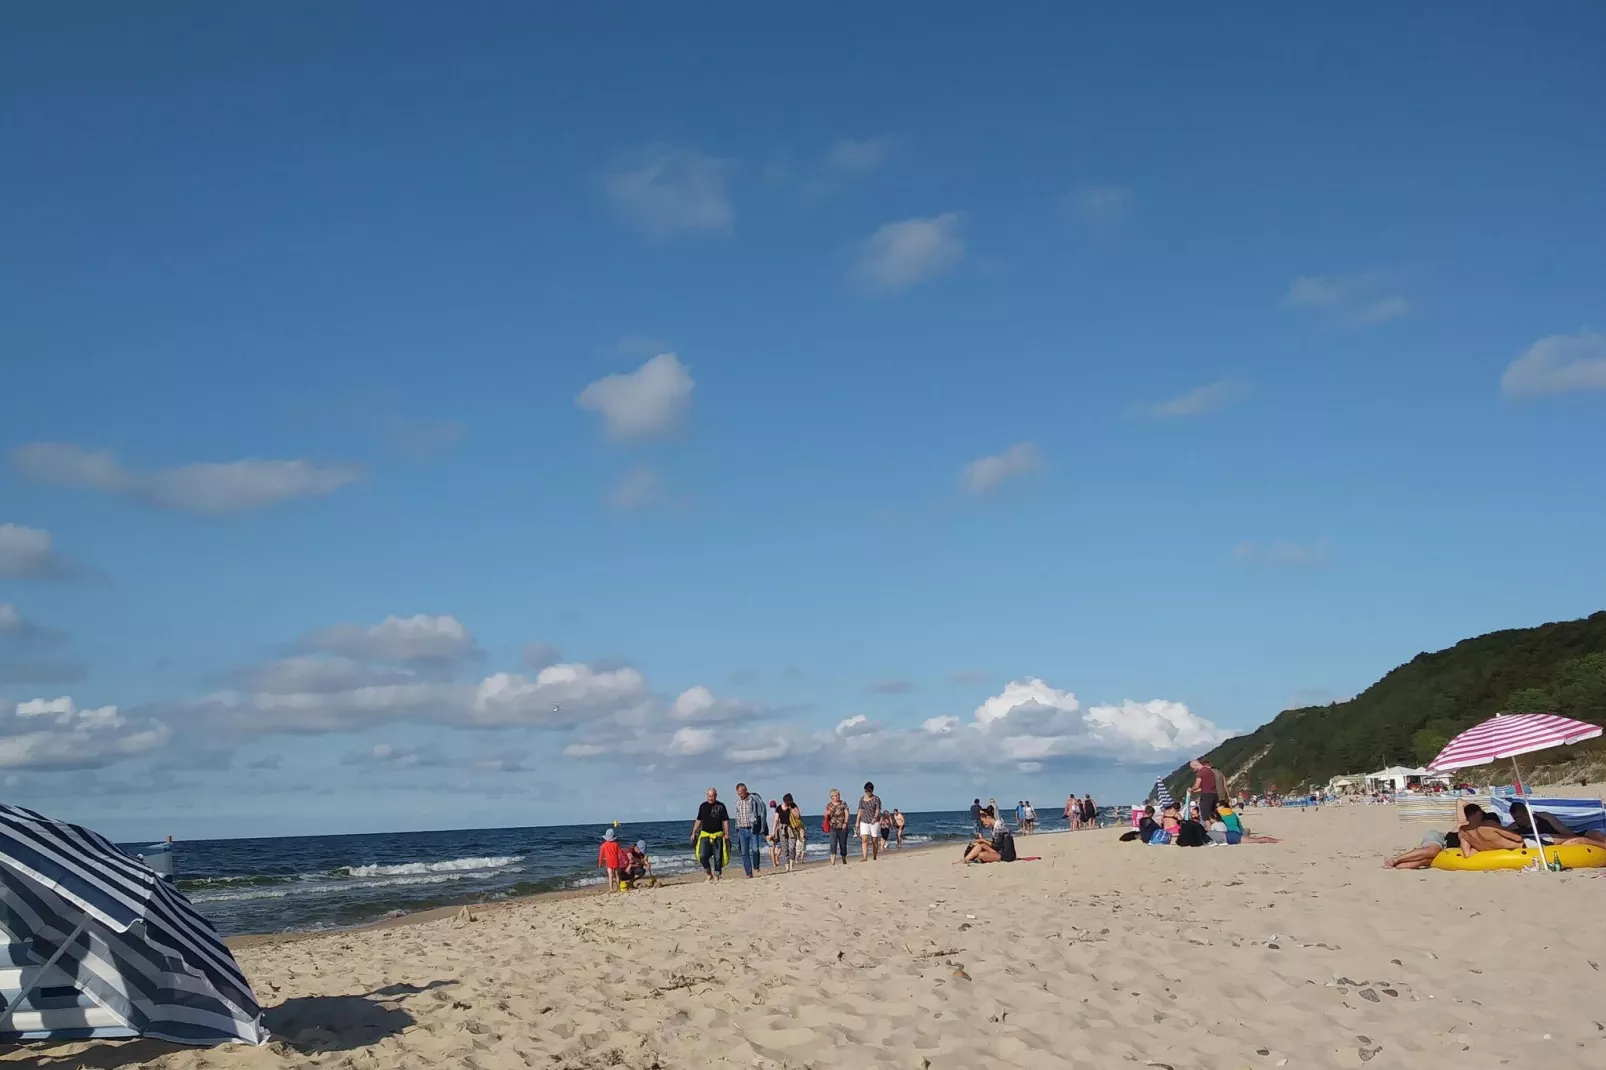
column 215, row 489
column 910, row 251
column 1362, row 300
column 1282, row 553
column 849, row 157
column 985, row 475
column 30, row 554
column 1561, row 363
column 58, row 734
column 1101, row 204
column 672, row 190
column 648, row 403
column 396, row 639
column 1198, row 401
column 29, row 652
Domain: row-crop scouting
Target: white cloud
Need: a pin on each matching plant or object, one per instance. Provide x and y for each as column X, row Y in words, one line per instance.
column 1198, row 401
column 691, row 742
column 317, row 675
column 1558, row 364
column 19, row 629
column 986, row 474
column 697, row 705
column 267, row 713
column 57, row 734
column 639, row 488
column 1283, row 553
column 673, row 190
column 416, row 638
column 646, row 403
column 857, row 725
column 1316, row 291
column 1101, row 204
column 560, row 695
column 1361, row 299
column 212, row 488
column 1033, row 721
column 941, row 726
column 388, row 756
column 850, row 157
column 29, row 554
column 910, row 251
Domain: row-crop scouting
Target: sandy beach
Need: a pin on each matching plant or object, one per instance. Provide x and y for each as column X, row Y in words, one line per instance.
column 1300, row 954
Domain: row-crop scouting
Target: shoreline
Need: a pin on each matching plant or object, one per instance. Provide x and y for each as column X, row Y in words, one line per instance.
column 244, row 941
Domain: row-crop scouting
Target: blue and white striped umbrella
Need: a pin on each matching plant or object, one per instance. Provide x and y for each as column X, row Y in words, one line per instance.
column 100, row 946
column 1161, row 795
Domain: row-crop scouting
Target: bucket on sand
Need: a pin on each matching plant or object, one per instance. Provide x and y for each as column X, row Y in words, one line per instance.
column 624, row 886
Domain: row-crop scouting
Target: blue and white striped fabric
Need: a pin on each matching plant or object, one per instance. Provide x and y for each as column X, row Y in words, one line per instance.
column 1580, row 815
column 123, row 953
column 1161, row 795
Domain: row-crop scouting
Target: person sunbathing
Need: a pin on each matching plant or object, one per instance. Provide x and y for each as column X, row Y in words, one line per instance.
column 1478, row 831
column 1551, row 828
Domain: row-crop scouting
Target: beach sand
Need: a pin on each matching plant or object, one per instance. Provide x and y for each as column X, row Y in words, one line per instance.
column 1303, row 954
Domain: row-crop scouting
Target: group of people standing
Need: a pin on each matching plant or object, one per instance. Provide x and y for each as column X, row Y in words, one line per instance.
column 782, row 826
column 1081, row 813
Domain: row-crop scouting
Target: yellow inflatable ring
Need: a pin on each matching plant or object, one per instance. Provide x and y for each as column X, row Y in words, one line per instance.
column 1571, row 856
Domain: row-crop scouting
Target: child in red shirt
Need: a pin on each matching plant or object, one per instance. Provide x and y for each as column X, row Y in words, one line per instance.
column 610, row 858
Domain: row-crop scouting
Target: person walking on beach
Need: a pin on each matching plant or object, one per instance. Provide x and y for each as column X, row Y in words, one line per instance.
column 1073, row 812
column 789, row 833
column 837, row 820
column 898, row 821
column 1090, row 812
column 1205, row 787
column 711, row 833
column 749, row 828
column 975, row 816
column 869, row 824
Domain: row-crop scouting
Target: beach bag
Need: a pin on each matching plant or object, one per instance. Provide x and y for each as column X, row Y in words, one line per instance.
column 1160, row 837
column 797, row 819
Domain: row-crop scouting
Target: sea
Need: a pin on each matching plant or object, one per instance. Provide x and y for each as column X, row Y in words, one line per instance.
column 298, row 883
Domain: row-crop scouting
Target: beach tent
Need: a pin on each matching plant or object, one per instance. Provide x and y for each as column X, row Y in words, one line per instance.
column 1510, row 735
column 97, row 945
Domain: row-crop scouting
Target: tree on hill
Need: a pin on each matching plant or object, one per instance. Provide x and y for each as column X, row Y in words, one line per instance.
column 1408, row 716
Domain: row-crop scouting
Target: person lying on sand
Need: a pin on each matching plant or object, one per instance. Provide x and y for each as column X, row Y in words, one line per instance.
column 999, row 848
column 1551, row 828
column 1478, row 831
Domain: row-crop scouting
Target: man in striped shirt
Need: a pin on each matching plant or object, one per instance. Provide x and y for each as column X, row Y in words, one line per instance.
column 749, row 821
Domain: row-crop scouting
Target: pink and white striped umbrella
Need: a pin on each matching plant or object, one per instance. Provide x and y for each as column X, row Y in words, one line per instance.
column 1507, row 735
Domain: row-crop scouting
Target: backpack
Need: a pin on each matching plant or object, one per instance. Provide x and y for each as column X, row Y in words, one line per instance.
column 1160, row 837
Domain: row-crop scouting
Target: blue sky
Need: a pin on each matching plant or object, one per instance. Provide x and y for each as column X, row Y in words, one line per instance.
column 981, row 406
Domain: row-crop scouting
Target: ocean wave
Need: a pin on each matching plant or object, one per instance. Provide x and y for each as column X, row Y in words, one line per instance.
column 193, row 883
column 452, row 865
column 327, row 888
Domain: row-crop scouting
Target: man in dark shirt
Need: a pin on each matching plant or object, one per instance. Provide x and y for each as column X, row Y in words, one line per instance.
column 1205, row 784
column 975, row 815
column 711, row 833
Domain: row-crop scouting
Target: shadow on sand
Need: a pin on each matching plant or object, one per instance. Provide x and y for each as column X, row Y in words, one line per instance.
column 307, row 1024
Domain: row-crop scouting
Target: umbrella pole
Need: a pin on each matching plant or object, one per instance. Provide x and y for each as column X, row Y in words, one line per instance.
column 39, row 978
column 1532, row 820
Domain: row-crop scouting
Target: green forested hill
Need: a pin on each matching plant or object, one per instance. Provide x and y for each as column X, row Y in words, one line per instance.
column 1407, row 717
